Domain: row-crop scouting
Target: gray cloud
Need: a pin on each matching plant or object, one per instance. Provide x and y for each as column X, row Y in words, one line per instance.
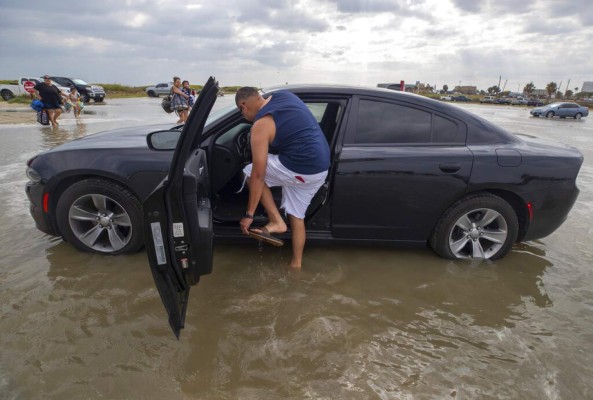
column 367, row 6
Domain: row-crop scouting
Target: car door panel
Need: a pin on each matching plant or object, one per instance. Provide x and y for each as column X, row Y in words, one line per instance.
column 178, row 217
column 396, row 193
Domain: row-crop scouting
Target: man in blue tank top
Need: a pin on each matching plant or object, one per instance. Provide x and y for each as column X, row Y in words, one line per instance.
column 282, row 125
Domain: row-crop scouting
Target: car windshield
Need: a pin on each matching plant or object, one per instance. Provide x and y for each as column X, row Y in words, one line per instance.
column 222, row 113
column 79, row 81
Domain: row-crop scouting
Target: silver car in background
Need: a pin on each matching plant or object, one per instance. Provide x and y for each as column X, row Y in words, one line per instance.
column 562, row 110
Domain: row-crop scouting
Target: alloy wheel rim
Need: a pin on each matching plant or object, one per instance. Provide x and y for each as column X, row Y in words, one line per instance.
column 100, row 223
column 479, row 233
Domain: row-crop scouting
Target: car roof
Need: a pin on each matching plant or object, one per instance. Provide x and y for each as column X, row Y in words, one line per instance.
column 474, row 122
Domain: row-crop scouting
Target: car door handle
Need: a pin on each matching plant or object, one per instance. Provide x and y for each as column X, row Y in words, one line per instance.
column 449, row 168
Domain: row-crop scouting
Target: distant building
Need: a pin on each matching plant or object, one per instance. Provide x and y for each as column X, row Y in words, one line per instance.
column 587, row 87
column 466, row 89
column 539, row 93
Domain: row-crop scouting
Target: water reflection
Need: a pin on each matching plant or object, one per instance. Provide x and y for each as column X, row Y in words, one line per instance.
column 52, row 137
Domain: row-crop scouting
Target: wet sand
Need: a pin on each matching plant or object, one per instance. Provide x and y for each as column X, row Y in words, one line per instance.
column 16, row 114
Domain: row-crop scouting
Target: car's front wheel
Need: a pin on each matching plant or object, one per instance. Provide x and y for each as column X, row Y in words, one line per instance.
column 478, row 226
column 578, row 116
column 550, row 114
column 97, row 215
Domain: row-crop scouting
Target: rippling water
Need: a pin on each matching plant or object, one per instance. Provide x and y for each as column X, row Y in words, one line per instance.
column 360, row 323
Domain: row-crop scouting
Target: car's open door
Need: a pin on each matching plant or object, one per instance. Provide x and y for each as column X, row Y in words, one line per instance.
column 178, row 218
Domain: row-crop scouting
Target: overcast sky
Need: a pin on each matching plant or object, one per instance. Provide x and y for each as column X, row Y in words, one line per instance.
column 270, row 42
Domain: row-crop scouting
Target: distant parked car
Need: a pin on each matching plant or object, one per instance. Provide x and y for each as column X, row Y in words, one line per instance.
column 158, row 89
column 461, row 98
column 519, row 101
column 503, row 100
column 488, row 99
column 86, row 90
column 535, row 103
column 562, row 110
column 446, row 98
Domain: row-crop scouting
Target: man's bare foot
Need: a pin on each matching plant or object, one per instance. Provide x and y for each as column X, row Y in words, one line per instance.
column 272, row 227
column 295, row 265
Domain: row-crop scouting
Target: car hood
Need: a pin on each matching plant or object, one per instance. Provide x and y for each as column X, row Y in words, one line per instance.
column 134, row 137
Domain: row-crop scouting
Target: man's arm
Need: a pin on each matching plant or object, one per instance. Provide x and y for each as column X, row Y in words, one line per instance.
column 261, row 134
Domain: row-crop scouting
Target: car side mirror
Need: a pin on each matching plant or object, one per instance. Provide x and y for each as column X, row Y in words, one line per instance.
column 163, row 140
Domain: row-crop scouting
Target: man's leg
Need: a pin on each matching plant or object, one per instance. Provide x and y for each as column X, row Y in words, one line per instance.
column 58, row 112
column 297, row 225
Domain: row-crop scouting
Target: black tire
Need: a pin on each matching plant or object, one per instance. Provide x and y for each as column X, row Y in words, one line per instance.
column 550, row 114
column 578, row 116
column 100, row 216
column 6, row 94
column 85, row 98
column 151, row 93
column 481, row 223
column 98, row 100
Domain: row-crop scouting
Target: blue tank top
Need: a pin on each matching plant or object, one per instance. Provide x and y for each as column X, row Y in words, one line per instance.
column 299, row 141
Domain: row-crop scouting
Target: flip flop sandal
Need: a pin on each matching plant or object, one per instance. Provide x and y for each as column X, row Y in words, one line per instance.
column 265, row 236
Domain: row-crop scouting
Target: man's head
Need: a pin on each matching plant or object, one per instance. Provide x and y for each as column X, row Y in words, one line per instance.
column 249, row 102
column 46, row 79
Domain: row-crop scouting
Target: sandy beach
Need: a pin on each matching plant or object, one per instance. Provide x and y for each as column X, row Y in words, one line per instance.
column 16, row 114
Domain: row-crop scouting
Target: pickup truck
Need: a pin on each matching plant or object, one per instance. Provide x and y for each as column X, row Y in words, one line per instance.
column 20, row 88
column 158, row 89
column 86, row 90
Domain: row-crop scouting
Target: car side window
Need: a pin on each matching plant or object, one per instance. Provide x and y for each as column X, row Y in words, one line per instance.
column 317, row 109
column 380, row 122
column 446, row 131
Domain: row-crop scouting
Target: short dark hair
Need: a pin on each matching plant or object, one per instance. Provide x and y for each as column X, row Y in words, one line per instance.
column 184, row 82
column 176, row 78
column 244, row 93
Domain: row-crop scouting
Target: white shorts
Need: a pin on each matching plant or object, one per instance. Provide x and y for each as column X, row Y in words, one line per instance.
column 297, row 189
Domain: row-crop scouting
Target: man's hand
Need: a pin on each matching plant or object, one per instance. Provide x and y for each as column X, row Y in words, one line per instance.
column 245, row 223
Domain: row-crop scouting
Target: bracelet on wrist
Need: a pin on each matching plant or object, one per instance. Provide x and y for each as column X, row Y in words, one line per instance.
column 247, row 215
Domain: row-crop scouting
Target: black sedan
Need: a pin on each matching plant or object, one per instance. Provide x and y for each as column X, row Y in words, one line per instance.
column 405, row 170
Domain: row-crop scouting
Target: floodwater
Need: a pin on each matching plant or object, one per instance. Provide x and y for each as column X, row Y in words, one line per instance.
column 355, row 323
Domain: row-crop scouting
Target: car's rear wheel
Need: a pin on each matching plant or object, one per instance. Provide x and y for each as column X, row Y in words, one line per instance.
column 152, row 93
column 97, row 215
column 578, row 116
column 478, row 226
column 549, row 114
column 85, row 98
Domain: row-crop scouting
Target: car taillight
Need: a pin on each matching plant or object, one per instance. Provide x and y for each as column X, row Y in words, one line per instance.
column 530, row 210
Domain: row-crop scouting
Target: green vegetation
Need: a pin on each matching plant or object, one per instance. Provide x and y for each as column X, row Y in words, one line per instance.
column 22, row 99
column 8, row 82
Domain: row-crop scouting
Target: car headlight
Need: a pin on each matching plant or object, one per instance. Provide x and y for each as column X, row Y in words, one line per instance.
column 33, row 175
